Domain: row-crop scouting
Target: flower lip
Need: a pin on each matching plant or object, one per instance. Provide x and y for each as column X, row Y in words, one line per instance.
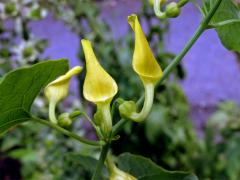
column 72, row 72
column 99, row 87
column 144, row 62
column 58, row 89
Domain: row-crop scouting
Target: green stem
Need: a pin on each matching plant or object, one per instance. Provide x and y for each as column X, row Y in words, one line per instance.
column 200, row 9
column 119, row 125
column 75, row 114
column 79, row 113
column 97, row 129
column 203, row 26
column 181, row 3
column 89, row 120
column 101, row 161
column 68, row 133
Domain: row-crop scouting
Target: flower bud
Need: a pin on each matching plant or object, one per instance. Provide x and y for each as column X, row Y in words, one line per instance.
column 27, row 52
column 172, row 10
column 127, row 108
column 64, row 120
column 144, row 62
column 10, row 8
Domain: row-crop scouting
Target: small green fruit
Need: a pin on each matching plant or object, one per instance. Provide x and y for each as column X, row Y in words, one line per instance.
column 127, row 108
column 64, row 120
column 172, row 10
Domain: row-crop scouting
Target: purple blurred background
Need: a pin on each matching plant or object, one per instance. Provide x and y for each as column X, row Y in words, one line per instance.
column 212, row 72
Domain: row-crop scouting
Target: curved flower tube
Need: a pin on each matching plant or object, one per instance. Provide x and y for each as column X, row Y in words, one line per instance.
column 99, row 87
column 157, row 8
column 57, row 90
column 128, row 108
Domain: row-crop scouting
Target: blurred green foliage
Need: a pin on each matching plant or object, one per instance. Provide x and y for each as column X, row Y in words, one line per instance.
column 167, row 136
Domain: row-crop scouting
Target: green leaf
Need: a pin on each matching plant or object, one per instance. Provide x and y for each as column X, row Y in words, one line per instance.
column 230, row 32
column 12, row 117
column 84, row 165
column 19, row 88
column 144, row 169
column 86, row 162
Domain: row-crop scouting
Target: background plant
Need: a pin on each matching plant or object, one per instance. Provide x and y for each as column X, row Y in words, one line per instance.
column 175, row 152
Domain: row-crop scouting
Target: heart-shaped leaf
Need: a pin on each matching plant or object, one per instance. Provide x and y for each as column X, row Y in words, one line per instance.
column 19, row 88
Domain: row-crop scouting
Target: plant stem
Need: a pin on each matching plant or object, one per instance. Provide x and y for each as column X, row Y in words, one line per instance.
column 119, row 125
column 68, row 133
column 182, row 3
column 202, row 27
column 101, row 160
column 77, row 113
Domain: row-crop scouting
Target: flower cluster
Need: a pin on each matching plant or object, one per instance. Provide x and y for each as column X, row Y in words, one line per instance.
column 100, row 88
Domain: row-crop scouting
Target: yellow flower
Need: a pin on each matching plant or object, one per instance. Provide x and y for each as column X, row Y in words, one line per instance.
column 144, row 62
column 99, row 87
column 58, row 90
column 117, row 174
column 147, row 67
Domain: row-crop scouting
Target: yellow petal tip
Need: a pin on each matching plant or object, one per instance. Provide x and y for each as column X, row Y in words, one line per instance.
column 86, row 42
column 131, row 20
column 74, row 71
